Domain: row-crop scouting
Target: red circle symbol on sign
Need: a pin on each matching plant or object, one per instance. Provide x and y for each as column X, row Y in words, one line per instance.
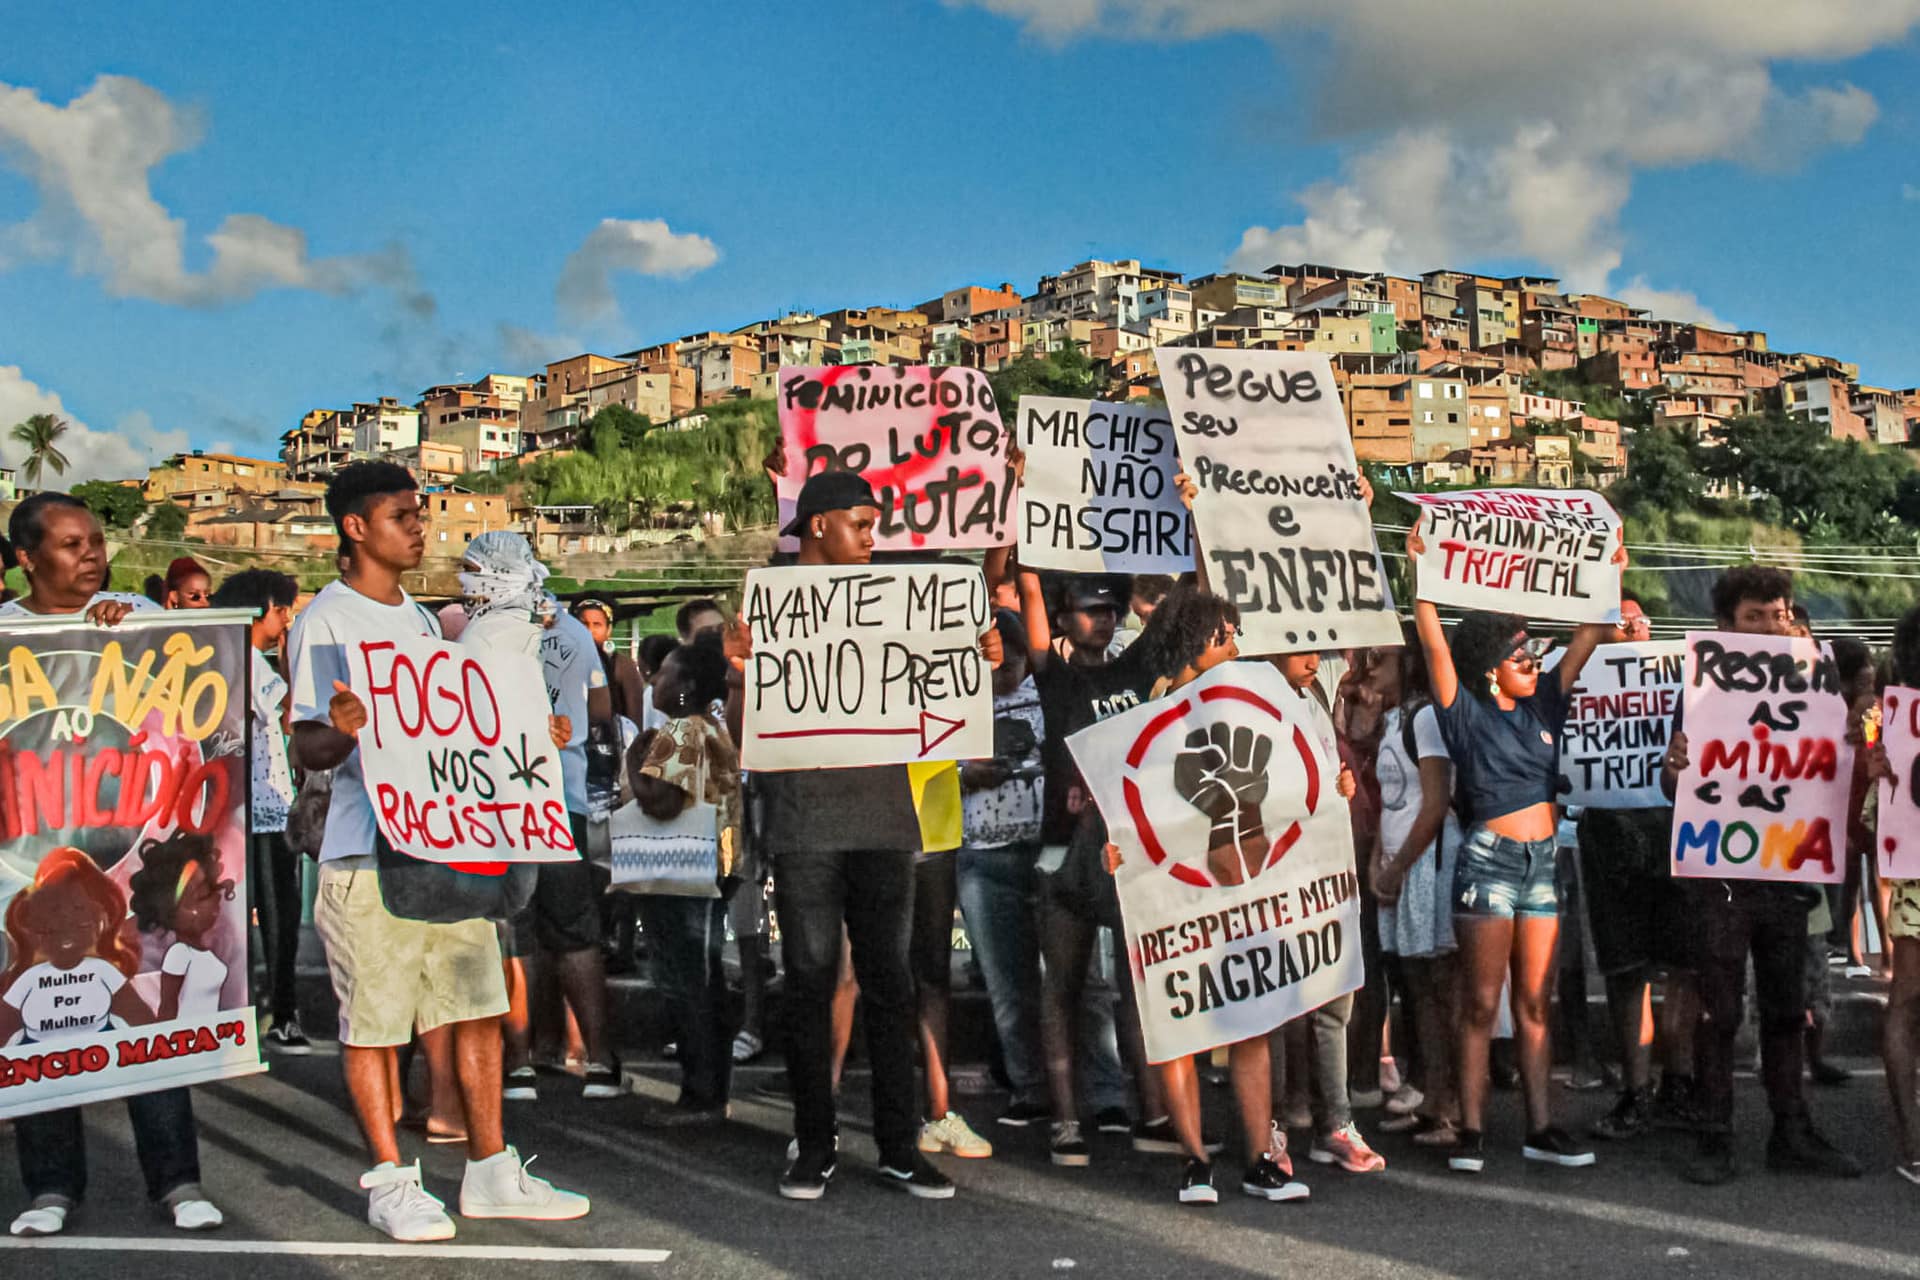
column 1178, row 711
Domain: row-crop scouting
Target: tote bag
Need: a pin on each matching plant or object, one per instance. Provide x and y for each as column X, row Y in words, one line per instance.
column 679, row 857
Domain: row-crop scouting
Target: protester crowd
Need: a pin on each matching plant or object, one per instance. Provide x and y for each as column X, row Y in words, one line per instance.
column 1466, row 860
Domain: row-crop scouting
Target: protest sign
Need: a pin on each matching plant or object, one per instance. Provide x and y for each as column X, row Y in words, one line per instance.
column 1279, row 516
column 1236, row 874
column 1540, row 553
column 123, row 857
column 1618, row 723
column 1899, row 805
column 1764, row 795
column 458, row 758
column 1098, row 496
column 866, row 664
column 929, row 441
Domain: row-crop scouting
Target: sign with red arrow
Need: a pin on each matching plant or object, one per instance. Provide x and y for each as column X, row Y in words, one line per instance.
column 866, row 664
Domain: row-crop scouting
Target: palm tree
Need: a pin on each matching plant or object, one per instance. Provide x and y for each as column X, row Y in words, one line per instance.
column 41, row 435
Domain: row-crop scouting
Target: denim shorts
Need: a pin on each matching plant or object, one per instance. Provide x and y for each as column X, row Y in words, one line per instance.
column 1499, row 877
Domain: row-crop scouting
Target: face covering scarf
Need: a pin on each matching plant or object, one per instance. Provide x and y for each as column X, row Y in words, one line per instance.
column 501, row 573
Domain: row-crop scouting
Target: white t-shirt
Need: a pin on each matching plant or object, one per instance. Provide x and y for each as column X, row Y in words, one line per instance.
column 316, row 656
column 1399, row 776
column 570, row 664
column 203, row 974
column 272, row 779
column 15, row 609
column 55, row 1004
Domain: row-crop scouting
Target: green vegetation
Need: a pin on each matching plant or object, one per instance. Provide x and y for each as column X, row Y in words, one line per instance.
column 168, row 523
column 41, row 434
column 1066, row 372
column 116, row 506
column 1601, row 401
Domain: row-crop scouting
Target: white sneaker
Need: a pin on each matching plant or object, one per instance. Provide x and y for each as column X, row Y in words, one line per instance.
column 1405, row 1100
column 41, row 1220
column 400, row 1206
column 952, row 1134
column 197, row 1215
column 501, row 1187
column 521, row 1085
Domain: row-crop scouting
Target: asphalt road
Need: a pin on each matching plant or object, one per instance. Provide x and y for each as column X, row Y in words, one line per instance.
column 281, row 1155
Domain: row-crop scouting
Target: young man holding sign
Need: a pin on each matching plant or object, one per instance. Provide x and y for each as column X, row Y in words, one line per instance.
column 1767, row 919
column 394, row 976
column 843, row 841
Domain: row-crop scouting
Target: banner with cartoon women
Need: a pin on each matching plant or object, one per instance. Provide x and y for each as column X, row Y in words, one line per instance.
column 1236, row 874
column 123, row 818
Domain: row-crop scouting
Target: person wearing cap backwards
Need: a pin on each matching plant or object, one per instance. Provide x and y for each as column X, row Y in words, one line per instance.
column 842, row 843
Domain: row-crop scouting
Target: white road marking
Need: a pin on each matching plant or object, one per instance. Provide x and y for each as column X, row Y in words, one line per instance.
column 333, row 1248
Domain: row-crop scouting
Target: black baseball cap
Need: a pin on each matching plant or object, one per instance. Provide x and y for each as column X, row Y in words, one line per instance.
column 829, row 491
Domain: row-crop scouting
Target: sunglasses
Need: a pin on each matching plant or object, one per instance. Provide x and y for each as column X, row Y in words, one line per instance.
column 1528, row 654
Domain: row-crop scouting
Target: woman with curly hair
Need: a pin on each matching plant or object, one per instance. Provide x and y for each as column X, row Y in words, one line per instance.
column 1501, row 722
column 178, row 890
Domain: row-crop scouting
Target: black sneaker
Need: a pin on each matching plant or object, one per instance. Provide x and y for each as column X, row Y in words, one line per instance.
column 1555, row 1146
column 1264, row 1181
column 287, row 1037
column 921, row 1180
column 1827, row 1075
column 1196, row 1184
column 1631, row 1116
column 1676, row 1104
column 1065, row 1146
column 1796, row 1147
column 604, row 1080
column 1019, row 1115
column 807, row 1176
column 1712, row 1163
column 1157, row 1138
column 1469, row 1154
column 1113, row 1120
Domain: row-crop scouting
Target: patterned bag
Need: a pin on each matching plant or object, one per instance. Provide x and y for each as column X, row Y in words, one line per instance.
column 679, row 857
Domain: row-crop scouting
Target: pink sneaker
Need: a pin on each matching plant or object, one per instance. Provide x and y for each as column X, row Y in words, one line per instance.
column 1277, row 1149
column 1346, row 1148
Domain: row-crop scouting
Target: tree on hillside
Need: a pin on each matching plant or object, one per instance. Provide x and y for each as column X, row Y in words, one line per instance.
column 41, row 434
column 168, row 523
column 621, row 425
column 116, row 505
column 1662, row 474
column 1066, row 372
column 1797, row 475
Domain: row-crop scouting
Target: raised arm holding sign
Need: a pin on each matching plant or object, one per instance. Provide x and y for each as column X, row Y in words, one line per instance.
column 1540, row 553
column 1098, row 495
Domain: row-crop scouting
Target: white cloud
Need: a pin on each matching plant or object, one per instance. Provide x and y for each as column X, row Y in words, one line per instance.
column 649, row 247
column 123, row 453
column 92, row 162
column 1482, row 129
column 1668, row 304
column 525, row 351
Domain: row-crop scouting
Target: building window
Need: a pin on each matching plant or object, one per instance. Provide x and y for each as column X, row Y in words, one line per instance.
column 1426, row 392
column 1426, row 415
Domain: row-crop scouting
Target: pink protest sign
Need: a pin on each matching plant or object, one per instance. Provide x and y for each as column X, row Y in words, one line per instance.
column 1899, row 807
column 929, row 441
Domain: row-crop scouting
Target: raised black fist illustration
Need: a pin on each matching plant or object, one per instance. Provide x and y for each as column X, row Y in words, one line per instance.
column 1223, row 773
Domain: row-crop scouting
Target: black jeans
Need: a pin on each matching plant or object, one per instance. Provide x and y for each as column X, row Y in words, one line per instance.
column 686, row 934
column 871, row 893
column 1734, row 917
column 273, row 877
column 53, row 1146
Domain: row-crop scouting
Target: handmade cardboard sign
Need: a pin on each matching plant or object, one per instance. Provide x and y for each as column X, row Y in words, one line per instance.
column 1282, row 527
column 866, row 664
column 929, row 441
column 1764, row 795
column 123, row 857
column 1899, row 848
column 1098, row 496
column 1540, row 553
column 1236, row 874
column 459, row 760
column 1617, row 725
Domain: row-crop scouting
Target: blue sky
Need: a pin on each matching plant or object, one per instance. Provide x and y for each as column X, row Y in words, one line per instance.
column 444, row 162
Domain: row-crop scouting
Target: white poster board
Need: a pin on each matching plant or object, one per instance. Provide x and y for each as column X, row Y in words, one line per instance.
column 1618, row 723
column 1899, row 838
column 866, row 664
column 929, row 441
column 1236, row 878
column 1540, row 553
column 459, row 759
column 1098, row 496
column 1279, row 516
column 1764, row 795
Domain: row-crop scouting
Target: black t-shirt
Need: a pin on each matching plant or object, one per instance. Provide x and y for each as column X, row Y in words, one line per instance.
column 1071, row 698
column 1506, row 761
column 838, row 810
